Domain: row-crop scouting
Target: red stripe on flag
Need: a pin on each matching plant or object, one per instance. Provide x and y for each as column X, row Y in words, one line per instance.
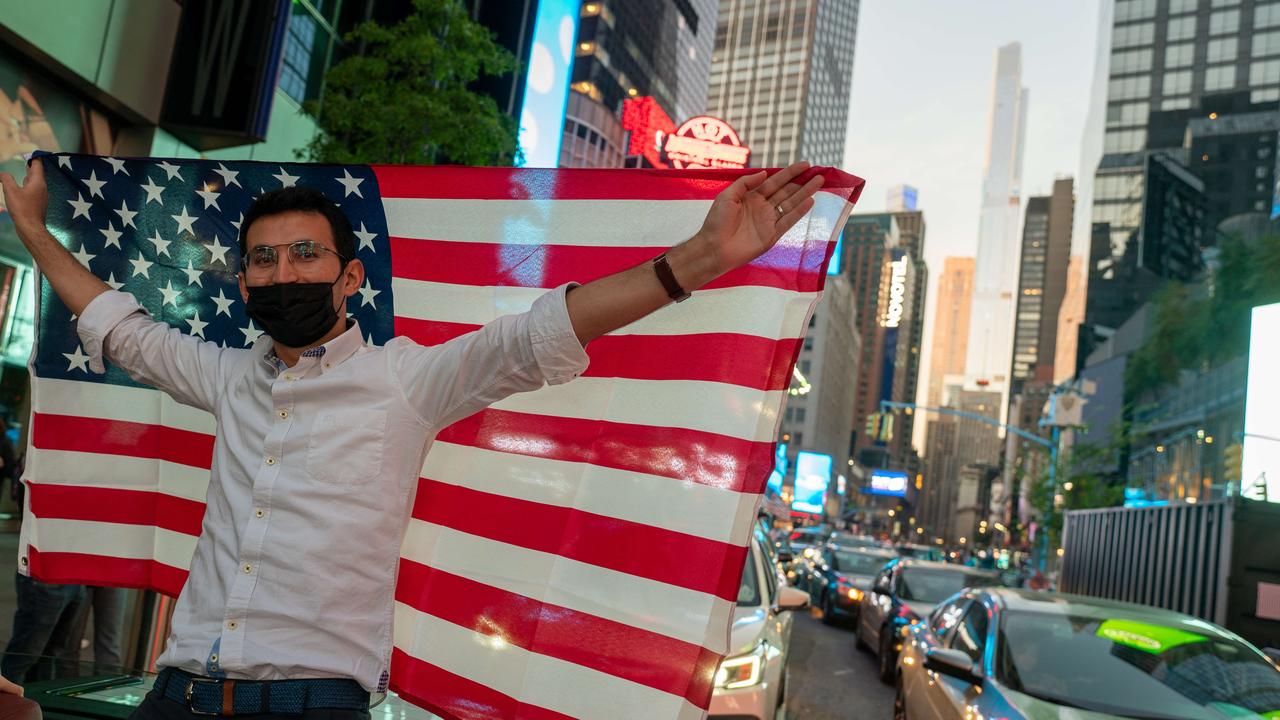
column 471, row 183
column 456, row 697
column 104, row 570
column 679, row 453
column 746, row 360
column 640, row 656
column 114, row 505
column 549, row 266
column 645, row 551
column 120, row 437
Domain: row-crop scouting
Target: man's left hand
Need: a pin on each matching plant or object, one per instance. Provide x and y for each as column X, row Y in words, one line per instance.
column 753, row 213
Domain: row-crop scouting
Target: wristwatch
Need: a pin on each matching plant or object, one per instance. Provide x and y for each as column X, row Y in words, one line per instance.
column 668, row 279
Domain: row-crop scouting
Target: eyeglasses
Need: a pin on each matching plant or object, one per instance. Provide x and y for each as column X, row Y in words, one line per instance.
column 301, row 254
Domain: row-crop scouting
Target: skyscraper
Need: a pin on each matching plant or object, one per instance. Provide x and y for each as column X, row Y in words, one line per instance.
column 991, row 322
column 950, row 325
column 1042, row 283
column 781, row 73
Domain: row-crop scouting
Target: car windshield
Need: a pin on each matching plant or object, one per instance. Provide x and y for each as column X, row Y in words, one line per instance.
column 933, row 585
column 749, row 588
column 853, row 541
column 856, row 563
column 1133, row 668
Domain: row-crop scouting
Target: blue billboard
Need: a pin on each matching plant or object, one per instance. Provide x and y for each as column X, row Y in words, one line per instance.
column 834, row 267
column 779, row 470
column 546, row 88
column 813, row 477
column 887, row 482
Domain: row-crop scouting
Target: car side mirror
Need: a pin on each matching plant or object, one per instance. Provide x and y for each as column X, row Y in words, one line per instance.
column 790, row 598
column 952, row 663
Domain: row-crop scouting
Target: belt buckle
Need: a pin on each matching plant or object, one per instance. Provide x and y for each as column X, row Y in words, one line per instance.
column 191, row 684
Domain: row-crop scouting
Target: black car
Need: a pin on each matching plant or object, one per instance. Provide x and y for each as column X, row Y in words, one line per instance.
column 905, row 591
column 838, row 577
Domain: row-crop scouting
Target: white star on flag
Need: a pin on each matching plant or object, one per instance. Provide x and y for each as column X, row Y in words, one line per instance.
column 94, row 184
column 171, row 170
column 251, row 334
column 162, row 245
column 210, row 197
column 78, row 360
column 112, row 235
column 193, row 275
column 286, row 180
column 170, row 296
column 237, row 222
column 111, row 282
column 366, row 238
column 185, row 221
column 224, row 304
column 217, row 251
column 126, row 215
column 197, row 325
column 116, row 165
column 350, row 184
column 83, row 255
column 141, row 266
column 228, row 176
column 153, row 192
column 367, row 294
column 64, row 161
column 81, row 207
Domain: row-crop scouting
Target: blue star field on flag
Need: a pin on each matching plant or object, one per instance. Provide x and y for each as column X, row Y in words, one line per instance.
column 167, row 232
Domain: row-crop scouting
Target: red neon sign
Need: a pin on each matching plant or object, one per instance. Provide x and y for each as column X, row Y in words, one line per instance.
column 648, row 124
column 700, row 142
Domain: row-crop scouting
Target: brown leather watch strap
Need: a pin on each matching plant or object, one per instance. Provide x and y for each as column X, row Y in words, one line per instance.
column 668, row 279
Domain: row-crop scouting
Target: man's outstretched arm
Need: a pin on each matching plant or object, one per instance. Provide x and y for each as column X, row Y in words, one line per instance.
column 743, row 223
column 73, row 283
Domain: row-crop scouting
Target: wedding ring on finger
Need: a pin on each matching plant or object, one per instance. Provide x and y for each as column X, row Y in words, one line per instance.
column 781, row 212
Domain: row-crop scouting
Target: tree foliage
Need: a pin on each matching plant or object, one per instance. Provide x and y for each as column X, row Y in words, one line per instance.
column 407, row 98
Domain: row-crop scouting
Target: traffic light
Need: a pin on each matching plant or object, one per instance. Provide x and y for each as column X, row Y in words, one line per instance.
column 1232, row 461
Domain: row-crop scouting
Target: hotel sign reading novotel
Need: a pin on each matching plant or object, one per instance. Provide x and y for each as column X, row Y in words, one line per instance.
column 897, row 291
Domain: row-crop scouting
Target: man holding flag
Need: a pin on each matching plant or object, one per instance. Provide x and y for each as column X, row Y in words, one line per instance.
column 288, row 607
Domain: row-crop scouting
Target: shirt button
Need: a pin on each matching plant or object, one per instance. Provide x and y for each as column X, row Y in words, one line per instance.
column 248, row 569
column 271, row 460
column 232, row 625
column 284, row 414
column 213, row 657
column 259, row 512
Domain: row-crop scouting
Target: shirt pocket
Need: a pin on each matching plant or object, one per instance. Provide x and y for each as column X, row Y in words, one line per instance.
column 346, row 447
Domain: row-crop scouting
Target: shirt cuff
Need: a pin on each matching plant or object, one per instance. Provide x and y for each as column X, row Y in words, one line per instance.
column 556, row 348
column 99, row 318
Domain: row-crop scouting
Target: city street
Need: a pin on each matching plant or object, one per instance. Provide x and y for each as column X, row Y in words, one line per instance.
column 830, row 678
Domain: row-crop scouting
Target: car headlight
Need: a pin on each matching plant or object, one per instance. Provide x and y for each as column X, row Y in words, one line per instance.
column 741, row 671
column 808, row 552
column 855, row 594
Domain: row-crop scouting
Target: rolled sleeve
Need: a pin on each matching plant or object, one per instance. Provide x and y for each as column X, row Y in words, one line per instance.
column 99, row 318
column 556, row 348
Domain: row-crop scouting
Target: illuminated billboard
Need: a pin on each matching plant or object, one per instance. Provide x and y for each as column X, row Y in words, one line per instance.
column 1260, row 476
column 779, row 469
column 546, row 89
column 887, row 482
column 813, row 477
column 699, row 142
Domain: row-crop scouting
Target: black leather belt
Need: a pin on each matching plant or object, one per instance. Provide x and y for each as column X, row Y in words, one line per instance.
column 229, row 697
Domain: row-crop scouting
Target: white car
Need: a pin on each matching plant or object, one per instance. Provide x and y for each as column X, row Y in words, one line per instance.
column 751, row 681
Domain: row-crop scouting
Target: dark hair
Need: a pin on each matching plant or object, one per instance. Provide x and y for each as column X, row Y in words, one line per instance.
column 301, row 199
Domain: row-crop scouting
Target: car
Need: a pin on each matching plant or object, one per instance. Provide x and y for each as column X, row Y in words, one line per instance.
column 920, row 552
column 751, row 681
column 850, row 540
column 808, row 538
column 839, row 577
column 902, row 593
column 1018, row 654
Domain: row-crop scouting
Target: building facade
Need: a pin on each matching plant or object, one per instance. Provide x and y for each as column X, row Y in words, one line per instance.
column 1042, row 284
column 950, row 325
column 781, row 74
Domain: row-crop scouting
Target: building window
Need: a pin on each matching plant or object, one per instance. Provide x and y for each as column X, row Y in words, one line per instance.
column 1127, row 113
column 1180, row 55
column 1266, row 15
column 306, row 50
column 1177, row 83
column 800, row 414
column 1223, row 50
column 1267, row 43
column 1181, row 103
column 1268, row 95
column 1182, row 6
column 808, row 343
column 1130, row 87
column 1131, row 61
column 1224, row 3
column 1264, row 72
column 1224, row 21
column 1183, row 28
column 1134, row 9
column 1124, row 141
column 1221, row 77
column 1131, row 35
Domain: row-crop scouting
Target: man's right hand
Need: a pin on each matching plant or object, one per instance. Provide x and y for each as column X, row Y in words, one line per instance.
column 28, row 202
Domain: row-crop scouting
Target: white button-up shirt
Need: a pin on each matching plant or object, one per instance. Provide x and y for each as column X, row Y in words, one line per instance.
column 313, row 476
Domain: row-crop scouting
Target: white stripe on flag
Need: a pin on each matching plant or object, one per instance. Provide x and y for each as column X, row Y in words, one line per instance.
column 722, row 310
column 139, row 542
column 678, row 506
column 713, row 407
column 67, row 467
column 675, row 612
column 118, row 402
column 539, row 680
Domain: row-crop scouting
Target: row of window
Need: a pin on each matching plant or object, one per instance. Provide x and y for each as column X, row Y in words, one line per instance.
column 1183, row 54
column 1222, row 22
column 1127, row 10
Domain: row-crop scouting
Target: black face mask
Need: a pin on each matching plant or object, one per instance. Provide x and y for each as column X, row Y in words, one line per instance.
column 293, row 314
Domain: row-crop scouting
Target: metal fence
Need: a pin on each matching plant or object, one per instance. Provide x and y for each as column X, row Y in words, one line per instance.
column 1175, row 556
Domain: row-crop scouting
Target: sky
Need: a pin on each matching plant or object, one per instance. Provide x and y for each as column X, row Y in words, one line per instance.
column 922, row 80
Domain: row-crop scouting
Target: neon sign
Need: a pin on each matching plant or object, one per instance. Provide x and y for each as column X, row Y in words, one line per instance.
column 897, row 291
column 700, row 142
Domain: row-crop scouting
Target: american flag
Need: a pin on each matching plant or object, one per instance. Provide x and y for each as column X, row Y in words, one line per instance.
column 572, row 552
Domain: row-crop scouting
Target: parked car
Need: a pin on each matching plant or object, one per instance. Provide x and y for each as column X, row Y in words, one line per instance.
column 1017, row 654
column 920, row 552
column 808, row 538
column 904, row 592
column 840, row 576
column 850, row 540
column 751, row 682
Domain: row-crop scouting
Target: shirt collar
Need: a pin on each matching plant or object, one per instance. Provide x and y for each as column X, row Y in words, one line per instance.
column 326, row 356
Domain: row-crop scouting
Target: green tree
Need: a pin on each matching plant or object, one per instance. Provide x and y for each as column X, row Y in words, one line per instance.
column 406, row 98
column 1085, row 479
